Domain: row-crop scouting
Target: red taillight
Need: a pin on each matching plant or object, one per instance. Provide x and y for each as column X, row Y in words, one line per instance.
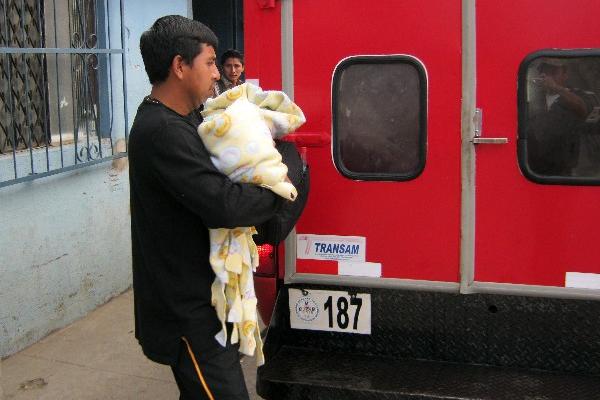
column 266, row 257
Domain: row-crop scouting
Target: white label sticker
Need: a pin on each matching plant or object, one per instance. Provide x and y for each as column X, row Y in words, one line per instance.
column 359, row 269
column 253, row 81
column 582, row 280
column 326, row 310
column 330, row 247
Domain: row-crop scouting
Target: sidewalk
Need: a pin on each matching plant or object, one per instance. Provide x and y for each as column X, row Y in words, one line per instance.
column 95, row 358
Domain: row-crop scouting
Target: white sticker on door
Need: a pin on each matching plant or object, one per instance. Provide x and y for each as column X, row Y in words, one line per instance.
column 351, row 268
column 331, row 247
column 582, row 280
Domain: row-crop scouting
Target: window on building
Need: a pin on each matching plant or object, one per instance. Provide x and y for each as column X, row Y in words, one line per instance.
column 62, row 97
column 559, row 117
column 379, row 117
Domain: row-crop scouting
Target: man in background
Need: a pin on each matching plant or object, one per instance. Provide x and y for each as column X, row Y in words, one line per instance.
column 232, row 64
column 555, row 121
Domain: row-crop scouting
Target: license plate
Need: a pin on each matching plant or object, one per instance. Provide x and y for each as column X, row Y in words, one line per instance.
column 326, row 310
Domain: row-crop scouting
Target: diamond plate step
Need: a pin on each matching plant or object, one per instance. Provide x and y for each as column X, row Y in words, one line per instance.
column 300, row 373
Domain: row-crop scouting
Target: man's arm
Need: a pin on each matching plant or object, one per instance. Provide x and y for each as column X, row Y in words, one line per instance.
column 574, row 102
column 182, row 164
column 571, row 100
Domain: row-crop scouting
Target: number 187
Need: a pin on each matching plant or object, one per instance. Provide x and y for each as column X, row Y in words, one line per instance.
column 342, row 317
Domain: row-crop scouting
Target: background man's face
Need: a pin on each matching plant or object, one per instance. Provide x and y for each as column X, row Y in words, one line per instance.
column 561, row 76
column 233, row 68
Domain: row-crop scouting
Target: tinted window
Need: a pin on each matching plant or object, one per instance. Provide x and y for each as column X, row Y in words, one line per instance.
column 379, row 117
column 559, row 117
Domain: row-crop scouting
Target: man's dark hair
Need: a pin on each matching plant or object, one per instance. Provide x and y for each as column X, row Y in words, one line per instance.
column 170, row 36
column 232, row 53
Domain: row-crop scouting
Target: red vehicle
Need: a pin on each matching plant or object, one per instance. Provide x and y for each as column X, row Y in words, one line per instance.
column 450, row 244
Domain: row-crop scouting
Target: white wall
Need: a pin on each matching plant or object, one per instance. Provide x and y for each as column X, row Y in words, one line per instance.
column 65, row 244
column 65, row 249
column 139, row 16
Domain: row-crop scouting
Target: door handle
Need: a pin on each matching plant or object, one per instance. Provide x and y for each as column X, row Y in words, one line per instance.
column 477, row 125
column 490, row 140
column 309, row 139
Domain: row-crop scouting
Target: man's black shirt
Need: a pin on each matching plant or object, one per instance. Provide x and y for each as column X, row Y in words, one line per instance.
column 176, row 195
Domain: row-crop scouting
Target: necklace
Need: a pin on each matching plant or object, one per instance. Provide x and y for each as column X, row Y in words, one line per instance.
column 152, row 100
column 196, row 112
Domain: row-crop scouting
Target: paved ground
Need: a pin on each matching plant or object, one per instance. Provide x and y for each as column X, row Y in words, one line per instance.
column 95, row 358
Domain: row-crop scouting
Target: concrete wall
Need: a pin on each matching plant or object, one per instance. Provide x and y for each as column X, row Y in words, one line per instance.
column 65, row 249
column 139, row 16
column 65, row 239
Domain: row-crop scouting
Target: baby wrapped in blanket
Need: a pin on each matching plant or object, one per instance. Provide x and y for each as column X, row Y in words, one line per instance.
column 238, row 130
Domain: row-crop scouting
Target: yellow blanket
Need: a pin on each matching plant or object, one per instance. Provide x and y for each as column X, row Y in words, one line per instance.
column 238, row 130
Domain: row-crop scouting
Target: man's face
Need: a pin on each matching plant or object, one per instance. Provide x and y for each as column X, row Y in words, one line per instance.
column 561, row 76
column 201, row 75
column 233, row 69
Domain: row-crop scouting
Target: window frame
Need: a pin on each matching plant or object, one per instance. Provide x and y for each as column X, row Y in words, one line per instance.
column 523, row 118
column 37, row 157
column 423, row 113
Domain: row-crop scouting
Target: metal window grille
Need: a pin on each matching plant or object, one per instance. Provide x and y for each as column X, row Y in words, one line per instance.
column 63, row 86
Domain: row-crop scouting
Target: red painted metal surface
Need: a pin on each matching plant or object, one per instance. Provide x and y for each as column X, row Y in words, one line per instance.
column 525, row 232
column 528, row 233
column 266, row 291
column 266, row 3
column 412, row 227
column 309, row 139
column 262, row 44
column 281, row 261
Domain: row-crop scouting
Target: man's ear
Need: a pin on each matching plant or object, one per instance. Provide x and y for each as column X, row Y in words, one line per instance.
column 177, row 66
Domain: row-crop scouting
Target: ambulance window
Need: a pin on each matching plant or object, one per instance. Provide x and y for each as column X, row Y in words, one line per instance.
column 379, row 117
column 559, row 117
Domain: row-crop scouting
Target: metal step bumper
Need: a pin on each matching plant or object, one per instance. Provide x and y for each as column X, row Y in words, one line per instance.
column 426, row 345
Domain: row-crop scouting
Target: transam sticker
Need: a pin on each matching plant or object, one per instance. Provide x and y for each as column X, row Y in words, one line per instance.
column 331, row 247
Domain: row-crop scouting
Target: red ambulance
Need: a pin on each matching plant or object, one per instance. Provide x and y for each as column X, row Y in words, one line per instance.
column 450, row 247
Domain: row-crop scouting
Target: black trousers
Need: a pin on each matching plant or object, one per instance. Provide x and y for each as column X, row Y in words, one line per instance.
column 209, row 374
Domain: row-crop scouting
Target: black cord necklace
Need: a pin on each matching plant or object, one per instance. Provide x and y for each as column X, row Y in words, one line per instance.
column 196, row 112
column 150, row 99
